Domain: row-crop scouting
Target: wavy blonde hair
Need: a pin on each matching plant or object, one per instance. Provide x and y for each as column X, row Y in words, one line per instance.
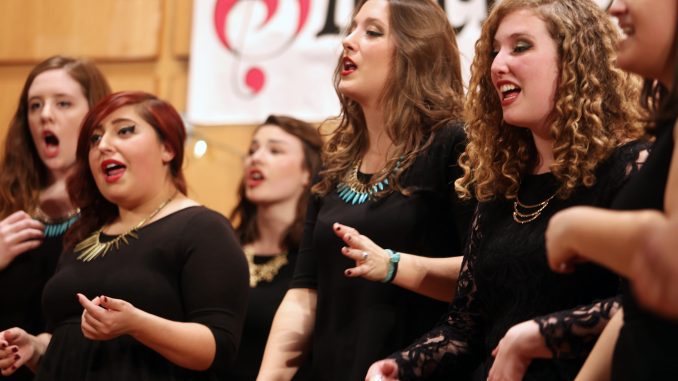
column 424, row 92
column 596, row 107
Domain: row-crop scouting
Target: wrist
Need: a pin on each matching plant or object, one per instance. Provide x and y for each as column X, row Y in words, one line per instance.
column 39, row 344
column 392, row 268
column 532, row 343
column 136, row 322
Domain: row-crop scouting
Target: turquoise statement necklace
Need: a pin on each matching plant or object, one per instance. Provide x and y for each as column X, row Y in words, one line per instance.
column 57, row 226
column 353, row 191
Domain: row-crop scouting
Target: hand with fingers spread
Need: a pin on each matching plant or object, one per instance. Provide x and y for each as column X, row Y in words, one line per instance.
column 371, row 260
column 520, row 345
column 384, row 370
column 105, row 318
column 19, row 233
column 18, row 348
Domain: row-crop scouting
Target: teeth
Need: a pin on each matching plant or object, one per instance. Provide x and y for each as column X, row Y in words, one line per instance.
column 628, row 30
column 348, row 65
column 507, row 87
column 111, row 166
column 256, row 176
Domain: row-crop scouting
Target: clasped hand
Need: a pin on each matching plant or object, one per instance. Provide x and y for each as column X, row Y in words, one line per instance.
column 105, row 318
column 16, row 348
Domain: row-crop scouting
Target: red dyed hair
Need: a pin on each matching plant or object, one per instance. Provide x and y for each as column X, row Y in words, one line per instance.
column 95, row 209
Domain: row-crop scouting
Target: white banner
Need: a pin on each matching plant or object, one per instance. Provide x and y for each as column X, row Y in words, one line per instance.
column 252, row 58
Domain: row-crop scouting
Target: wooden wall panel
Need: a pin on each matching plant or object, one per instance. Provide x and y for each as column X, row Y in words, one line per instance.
column 138, row 45
column 181, row 39
column 110, row 30
column 214, row 178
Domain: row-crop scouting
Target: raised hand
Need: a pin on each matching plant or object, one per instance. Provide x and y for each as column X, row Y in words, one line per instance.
column 371, row 260
column 19, row 233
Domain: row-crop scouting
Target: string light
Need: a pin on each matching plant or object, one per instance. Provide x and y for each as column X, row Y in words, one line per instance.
column 199, row 148
column 201, row 143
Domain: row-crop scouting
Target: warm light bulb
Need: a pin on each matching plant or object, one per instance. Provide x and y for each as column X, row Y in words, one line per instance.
column 199, row 149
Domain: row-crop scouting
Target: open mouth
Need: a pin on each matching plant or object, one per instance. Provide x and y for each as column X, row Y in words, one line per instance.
column 509, row 92
column 50, row 139
column 628, row 30
column 113, row 170
column 254, row 177
column 51, row 142
column 348, row 66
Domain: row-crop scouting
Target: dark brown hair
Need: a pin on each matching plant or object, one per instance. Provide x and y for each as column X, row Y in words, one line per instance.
column 244, row 215
column 95, row 209
column 22, row 172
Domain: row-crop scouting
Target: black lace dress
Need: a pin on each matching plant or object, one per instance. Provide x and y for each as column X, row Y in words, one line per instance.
column 505, row 280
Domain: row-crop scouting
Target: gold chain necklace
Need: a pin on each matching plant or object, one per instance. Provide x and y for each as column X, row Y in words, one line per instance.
column 265, row 271
column 523, row 213
column 91, row 247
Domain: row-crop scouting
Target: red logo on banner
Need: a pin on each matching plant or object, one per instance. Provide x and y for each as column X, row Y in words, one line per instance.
column 254, row 77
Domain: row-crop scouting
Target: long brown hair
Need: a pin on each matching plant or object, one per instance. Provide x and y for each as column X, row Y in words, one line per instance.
column 596, row 107
column 22, row 172
column 244, row 215
column 424, row 92
column 95, row 209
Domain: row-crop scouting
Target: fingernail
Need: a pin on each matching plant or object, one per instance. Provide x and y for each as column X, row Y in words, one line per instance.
column 17, row 356
column 15, row 350
column 337, row 227
column 347, row 272
column 348, row 238
column 104, row 298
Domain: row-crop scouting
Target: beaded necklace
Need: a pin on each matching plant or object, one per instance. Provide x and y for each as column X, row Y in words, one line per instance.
column 54, row 227
column 353, row 191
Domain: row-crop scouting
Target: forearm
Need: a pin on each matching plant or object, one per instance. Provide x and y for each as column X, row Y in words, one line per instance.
column 572, row 333
column 432, row 277
column 189, row 345
column 612, row 238
column 290, row 335
column 598, row 365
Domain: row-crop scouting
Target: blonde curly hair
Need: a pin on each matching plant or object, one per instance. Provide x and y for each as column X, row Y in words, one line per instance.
column 596, row 108
column 424, row 92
